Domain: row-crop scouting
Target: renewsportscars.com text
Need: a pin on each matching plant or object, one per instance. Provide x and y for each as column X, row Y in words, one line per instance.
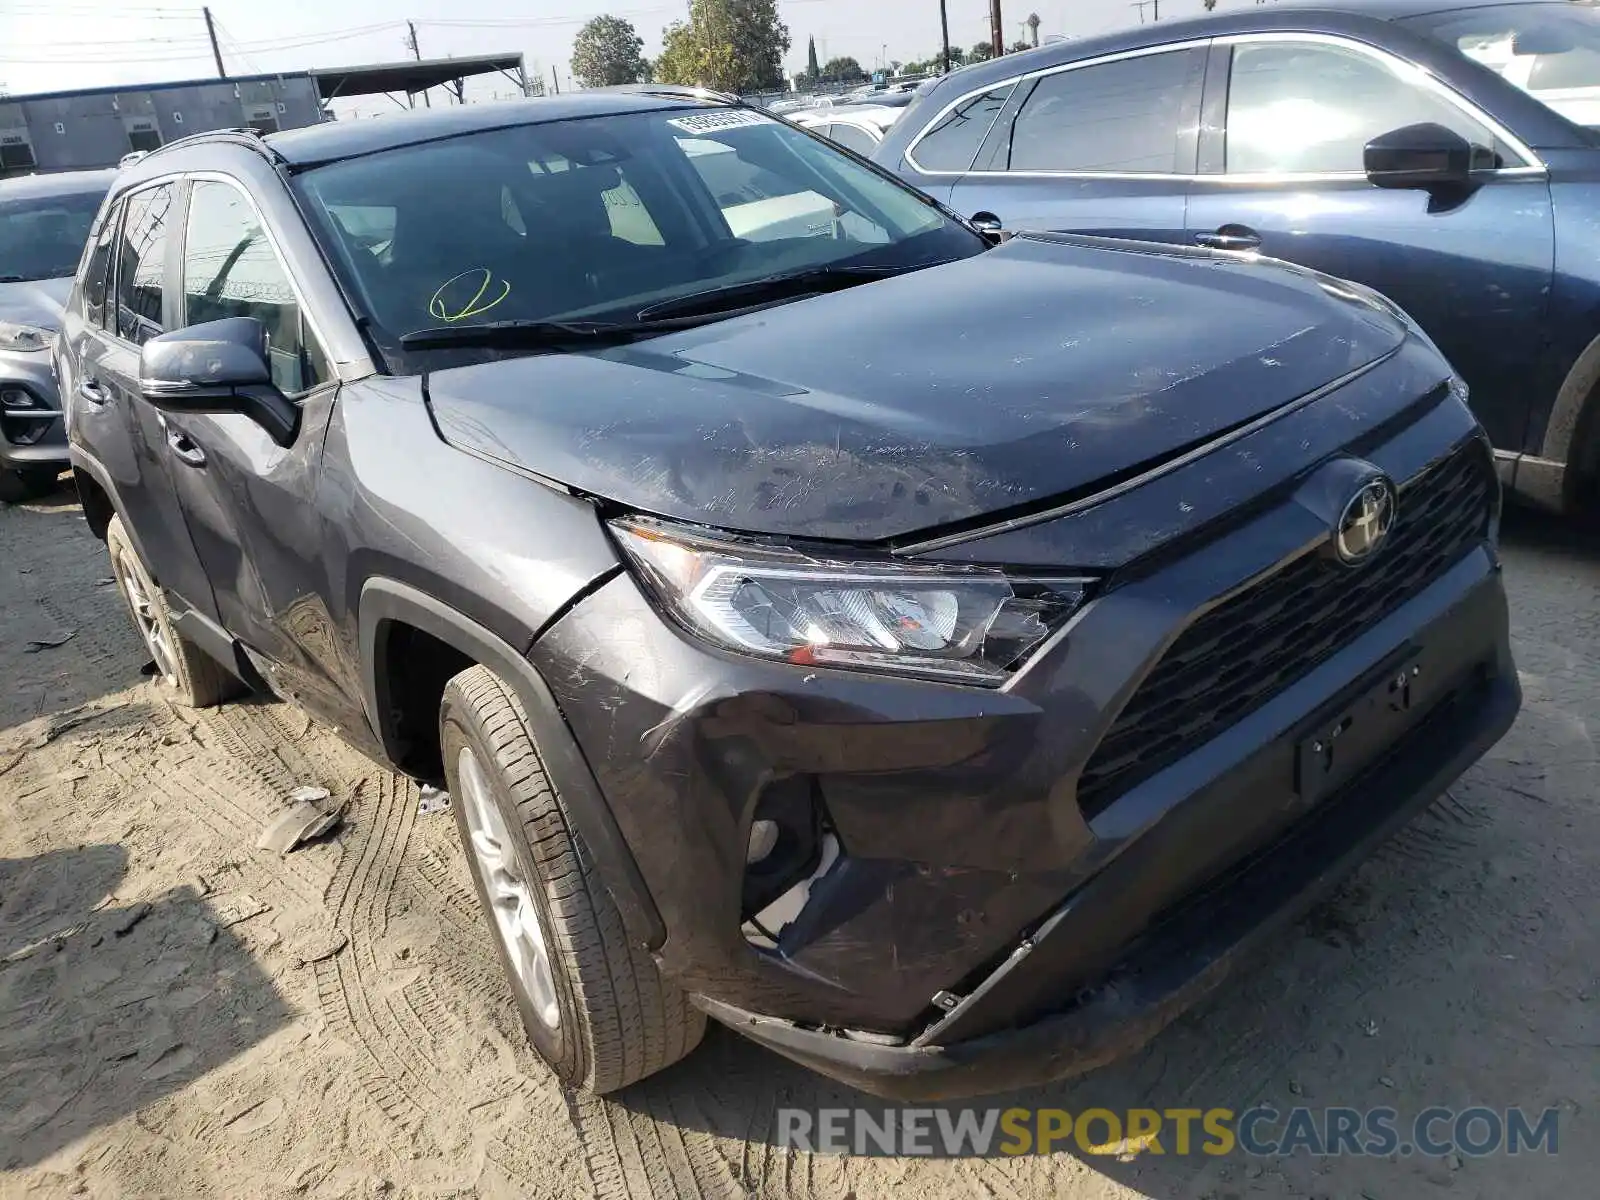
column 1261, row 1131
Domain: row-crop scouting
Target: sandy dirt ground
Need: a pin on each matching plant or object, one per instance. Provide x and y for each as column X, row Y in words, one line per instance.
column 183, row 1015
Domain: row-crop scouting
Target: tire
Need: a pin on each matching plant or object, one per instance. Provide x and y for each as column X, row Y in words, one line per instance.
column 197, row 678
column 616, row 1019
column 21, row 484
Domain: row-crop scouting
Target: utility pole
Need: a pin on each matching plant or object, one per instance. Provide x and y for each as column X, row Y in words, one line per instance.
column 555, row 79
column 997, row 29
column 944, row 24
column 216, row 51
column 416, row 53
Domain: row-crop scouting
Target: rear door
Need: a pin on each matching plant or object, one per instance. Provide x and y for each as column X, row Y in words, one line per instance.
column 1286, row 177
column 97, row 427
column 140, row 304
column 1106, row 146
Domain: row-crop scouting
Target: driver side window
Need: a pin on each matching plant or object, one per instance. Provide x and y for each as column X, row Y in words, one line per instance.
column 230, row 269
column 1311, row 107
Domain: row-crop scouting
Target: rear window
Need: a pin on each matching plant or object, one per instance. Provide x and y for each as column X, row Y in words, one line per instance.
column 955, row 138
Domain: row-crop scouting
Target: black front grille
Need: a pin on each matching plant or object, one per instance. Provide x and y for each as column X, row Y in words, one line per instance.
column 1252, row 646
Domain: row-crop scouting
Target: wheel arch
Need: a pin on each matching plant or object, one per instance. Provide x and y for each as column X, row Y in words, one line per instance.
column 1572, row 434
column 387, row 607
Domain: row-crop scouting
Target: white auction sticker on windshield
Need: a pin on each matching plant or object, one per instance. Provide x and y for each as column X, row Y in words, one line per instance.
column 714, row 122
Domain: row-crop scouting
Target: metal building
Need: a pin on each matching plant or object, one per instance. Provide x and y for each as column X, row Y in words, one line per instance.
column 82, row 130
column 95, row 127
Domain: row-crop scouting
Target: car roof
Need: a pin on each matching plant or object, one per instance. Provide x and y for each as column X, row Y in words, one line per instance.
column 334, row 140
column 1289, row 13
column 56, row 183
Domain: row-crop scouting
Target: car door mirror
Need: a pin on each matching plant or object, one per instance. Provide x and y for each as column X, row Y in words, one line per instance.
column 217, row 367
column 1419, row 156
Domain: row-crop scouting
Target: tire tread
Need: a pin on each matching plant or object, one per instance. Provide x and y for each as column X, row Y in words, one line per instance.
column 632, row 1021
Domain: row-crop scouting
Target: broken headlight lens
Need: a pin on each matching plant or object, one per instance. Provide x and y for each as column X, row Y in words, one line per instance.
column 968, row 625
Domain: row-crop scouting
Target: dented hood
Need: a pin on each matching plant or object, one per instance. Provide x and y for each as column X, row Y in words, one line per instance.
column 1012, row 378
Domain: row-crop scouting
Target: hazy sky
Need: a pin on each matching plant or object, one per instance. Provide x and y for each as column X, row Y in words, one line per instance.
column 47, row 45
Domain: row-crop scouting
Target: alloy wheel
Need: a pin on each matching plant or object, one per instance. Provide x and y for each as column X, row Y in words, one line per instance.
column 142, row 604
column 511, row 901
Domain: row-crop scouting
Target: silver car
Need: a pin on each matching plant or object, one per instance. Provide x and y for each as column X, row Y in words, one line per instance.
column 44, row 220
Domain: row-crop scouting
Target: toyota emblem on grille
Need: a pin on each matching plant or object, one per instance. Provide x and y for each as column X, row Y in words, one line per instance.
column 1365, row 522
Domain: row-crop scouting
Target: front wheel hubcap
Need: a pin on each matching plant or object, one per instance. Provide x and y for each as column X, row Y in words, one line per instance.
column 511, row 902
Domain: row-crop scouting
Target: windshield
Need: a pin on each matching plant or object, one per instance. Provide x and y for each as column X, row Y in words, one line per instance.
column 1550, row 51
column 42, row 237
column 601, row 218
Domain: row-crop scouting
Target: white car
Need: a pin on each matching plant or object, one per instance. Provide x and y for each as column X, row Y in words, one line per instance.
column 858, row 127
column 759, row 206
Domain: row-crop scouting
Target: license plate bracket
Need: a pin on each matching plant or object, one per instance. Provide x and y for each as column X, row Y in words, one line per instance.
column 1351, row 735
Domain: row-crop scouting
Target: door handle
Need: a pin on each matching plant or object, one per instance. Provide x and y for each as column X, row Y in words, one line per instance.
column 185, row 449
column 1231, row 237
column 94, row 393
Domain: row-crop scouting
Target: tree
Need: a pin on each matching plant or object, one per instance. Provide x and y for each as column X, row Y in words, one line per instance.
column 731, row 45
column 1018, row 46
column 843, row 70
column 1210, row 4
column 608, row 52
column 814, row 72
column 982, row 52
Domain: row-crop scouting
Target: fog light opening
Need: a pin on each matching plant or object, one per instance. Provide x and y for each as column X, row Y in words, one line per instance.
column 766, row 927
column 790, row 846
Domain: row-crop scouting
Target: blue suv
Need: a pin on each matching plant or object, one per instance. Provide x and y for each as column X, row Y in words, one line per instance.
column 1443, row 153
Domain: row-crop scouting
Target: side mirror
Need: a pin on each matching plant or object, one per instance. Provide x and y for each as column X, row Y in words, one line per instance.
column 990, row 227
column 217, row 367
column 1419, row 156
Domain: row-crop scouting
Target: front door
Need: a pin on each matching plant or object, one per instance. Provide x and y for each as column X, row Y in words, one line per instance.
column 1473, row 270
column 1104, row 148
column 250, row 502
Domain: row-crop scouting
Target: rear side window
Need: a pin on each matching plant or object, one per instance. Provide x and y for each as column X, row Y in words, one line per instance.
column 953, row 141
column 230, row 269
column 1126, row 116
column 142, row 265
column 97, row 269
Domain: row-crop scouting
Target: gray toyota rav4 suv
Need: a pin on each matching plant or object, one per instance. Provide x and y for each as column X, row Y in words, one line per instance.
column 937, row 660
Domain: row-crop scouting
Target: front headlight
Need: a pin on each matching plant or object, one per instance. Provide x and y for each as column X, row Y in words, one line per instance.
column 23, row 337
column 969, row 625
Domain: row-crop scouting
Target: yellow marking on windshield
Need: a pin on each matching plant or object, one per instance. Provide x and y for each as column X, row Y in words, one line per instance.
column 472, row 308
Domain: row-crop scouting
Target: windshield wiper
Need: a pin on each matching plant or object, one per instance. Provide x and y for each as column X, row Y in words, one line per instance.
column 790, row 284
column 518, row 334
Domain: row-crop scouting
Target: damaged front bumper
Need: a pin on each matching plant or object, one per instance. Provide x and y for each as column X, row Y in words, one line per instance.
column 1183, row 957
column 32, row 425
column 979, row 919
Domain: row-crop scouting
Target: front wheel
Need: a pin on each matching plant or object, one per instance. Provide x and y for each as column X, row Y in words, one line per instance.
column 595, row 1005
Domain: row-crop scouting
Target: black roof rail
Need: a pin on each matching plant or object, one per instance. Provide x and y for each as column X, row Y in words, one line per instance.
column 677, row 91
